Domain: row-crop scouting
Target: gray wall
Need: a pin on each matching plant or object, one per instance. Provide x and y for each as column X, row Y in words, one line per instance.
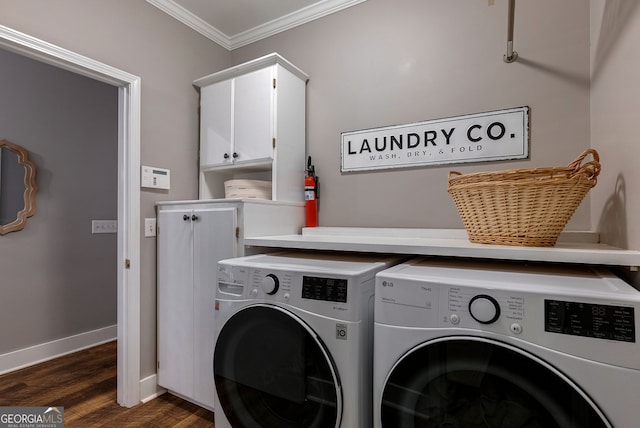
column 615, row 109
column 140, row 39
column 393, row 62
column 58, row 279
column 615, row 31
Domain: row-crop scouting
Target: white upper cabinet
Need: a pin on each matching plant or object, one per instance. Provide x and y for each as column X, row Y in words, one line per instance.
column 252, row 126
column 215, row 132
column 238, row 120
column 253, row 114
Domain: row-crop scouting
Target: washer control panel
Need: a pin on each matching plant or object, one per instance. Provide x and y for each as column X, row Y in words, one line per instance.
column 263, row 283
column 331, row 294
column 323, row 288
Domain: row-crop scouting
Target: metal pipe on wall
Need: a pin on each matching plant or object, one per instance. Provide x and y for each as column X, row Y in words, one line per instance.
column 511, row 55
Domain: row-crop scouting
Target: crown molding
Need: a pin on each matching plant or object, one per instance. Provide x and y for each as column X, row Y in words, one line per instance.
column 189, row 19
column 247, row 67
column 294, row 19
column 302, row 16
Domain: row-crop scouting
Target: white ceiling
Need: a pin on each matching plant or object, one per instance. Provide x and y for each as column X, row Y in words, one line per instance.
column 235, row 23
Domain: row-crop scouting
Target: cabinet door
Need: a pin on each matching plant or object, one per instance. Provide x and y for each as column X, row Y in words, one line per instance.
column 254, row 115
column 214, row 240
column 175, row 301
column 215, row 124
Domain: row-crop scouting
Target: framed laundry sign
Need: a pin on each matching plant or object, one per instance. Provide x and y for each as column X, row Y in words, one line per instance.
column 480, row 137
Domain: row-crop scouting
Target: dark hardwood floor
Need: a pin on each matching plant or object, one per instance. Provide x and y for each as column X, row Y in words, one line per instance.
column 84, row 383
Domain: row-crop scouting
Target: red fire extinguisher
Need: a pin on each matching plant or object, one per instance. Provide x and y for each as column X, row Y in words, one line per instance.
column 311, row 195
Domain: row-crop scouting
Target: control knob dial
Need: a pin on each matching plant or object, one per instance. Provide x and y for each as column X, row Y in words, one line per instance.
column 270, row 284
column 484, row 309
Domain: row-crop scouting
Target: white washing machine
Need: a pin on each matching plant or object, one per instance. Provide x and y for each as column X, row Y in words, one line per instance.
column 481, row 344
column 293, row 340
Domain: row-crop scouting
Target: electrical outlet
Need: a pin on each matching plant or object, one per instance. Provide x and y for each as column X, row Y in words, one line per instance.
column 104, row 226
column 149, row 227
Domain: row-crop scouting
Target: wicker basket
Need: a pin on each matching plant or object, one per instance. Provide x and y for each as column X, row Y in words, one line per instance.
column 524, row 207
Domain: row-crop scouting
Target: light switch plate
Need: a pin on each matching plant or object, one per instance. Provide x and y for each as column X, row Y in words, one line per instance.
column 104, row 226
column 149, row 227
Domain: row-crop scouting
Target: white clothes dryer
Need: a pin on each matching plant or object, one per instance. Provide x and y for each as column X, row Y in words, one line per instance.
column 293, row 340
column 482, row 344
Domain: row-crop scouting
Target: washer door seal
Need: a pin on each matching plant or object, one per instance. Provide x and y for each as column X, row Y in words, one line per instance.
column 271, row 370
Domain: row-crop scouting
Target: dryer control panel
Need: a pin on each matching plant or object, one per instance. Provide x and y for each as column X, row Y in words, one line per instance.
column 590, row 320
column 486, row 308
column 586, row 313
column 410, row 304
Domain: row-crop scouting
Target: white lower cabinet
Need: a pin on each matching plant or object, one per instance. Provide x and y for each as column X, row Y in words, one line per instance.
column 192, row 237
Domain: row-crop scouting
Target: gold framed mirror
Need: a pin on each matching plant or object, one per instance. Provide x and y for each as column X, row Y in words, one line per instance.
column 17, row 187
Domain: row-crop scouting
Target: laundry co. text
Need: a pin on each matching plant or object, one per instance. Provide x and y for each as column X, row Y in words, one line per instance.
column 488, row 136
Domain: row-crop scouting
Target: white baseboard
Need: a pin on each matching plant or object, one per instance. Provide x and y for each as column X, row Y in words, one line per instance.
column 149, row 388
column 47, row 351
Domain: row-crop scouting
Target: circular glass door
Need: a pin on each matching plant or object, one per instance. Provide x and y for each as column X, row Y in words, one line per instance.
column 272, row 371
column 471, row 382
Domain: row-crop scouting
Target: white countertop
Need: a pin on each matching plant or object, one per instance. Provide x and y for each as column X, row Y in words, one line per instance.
column 572, row 247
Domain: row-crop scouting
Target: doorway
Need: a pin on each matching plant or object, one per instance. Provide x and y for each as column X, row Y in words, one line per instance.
column 128, row 236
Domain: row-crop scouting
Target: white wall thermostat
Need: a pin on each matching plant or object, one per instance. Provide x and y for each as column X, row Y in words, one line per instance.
column 155, row 178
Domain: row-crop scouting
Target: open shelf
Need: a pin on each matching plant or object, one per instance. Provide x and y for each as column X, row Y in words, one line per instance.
column 572, row 247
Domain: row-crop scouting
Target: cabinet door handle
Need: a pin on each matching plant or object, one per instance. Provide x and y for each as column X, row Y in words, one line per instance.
column 235, row 155
column 226, row 156
column 194, row 217
column 185, row 217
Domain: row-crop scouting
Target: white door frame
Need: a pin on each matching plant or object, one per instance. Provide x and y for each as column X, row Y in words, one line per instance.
column 128, row 194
